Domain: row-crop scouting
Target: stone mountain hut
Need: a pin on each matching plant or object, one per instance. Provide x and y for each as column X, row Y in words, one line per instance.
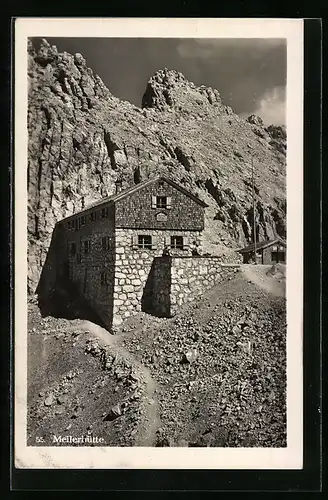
column 112, row 252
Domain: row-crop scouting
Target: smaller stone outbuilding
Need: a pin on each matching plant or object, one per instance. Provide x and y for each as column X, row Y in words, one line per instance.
column 267, row 252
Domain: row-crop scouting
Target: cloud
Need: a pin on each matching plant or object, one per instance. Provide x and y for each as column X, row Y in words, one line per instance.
column 250, row 74
column 272, row 106
column 231, row 47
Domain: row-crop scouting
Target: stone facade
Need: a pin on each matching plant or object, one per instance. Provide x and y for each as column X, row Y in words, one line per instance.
column 92, row 262
column 134, row 268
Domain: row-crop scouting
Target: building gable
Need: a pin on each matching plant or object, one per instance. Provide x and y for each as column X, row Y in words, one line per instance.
column 159, row 204
column 183, row 199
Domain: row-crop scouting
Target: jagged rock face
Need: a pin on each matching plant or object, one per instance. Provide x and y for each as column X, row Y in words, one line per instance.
column 82, row 139
column 169, row 90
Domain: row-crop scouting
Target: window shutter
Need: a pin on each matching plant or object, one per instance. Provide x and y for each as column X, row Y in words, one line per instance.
column 134, row 241
column 153, row 202
column 185, row 242
column 153, row 242
column 168, row 241
column 168, row 202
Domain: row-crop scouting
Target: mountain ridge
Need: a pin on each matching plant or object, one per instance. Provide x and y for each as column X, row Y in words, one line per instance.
column 82, row 139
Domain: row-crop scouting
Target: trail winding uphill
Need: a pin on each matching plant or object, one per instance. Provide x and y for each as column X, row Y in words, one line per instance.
column 268, row 277
column 147, row 431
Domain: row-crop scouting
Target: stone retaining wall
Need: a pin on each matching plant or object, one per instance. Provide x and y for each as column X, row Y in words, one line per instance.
column 190, row 277
column 178, row 280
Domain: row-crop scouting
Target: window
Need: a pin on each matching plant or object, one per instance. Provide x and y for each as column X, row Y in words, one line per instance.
column 83, row 220
column 93, row 216
column 105, row 243
column 104, row 213
column 103, row 278
column 79, row 258
column 76, row 224
column 73, row 249
column 144, row 241
column 161, row 202
column 278, row 256
column 177, row 242
column 87, row 246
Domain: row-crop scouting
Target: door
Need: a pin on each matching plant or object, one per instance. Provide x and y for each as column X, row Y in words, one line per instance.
column 281, row 256
column 274, row 257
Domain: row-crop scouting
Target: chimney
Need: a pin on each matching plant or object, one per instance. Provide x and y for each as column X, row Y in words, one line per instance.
column 118, row 186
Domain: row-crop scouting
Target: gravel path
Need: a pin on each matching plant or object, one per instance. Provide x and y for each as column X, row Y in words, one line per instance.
column 215, row 375
column 219, row 366
column 270, row 278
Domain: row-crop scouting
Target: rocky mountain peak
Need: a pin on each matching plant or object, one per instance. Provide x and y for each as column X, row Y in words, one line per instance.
column 81, row 139
column 170, row 90
column 66, row 75
column 255, row 120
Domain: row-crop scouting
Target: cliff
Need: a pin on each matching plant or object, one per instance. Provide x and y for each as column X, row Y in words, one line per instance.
column 82, row 139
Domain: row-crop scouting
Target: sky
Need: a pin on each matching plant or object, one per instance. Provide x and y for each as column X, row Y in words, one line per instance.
column 250, row 74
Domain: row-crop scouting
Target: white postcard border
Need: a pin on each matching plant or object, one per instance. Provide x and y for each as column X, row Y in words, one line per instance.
column 290, row 457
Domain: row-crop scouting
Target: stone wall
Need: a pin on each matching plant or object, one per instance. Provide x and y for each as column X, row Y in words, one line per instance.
column 135, row 211
column 120, row 280
column 93, row 272
column 161, row 291
column 190, row 277
column 134, row 267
